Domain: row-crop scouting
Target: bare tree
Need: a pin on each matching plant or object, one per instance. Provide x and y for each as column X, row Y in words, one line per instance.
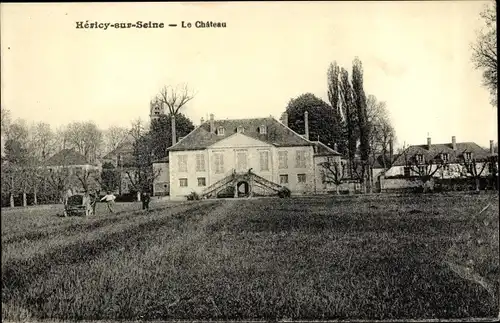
column 474, row 168
column 86, row 138
column 43, row 141
column 484, row 51
column 6, row 120
column 423, row 169
column 382, row 133
column 174, row 99
column 333, row 172
column 114, row 136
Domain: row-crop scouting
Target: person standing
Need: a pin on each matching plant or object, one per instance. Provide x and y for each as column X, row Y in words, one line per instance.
column 145, row 201
column 110, row 199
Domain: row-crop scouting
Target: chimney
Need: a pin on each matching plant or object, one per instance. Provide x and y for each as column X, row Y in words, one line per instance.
column 202, row 120
column 306, row 124
column 428, row 142
column 391, row 148
column 492, row 150
column 284, row 118
column 335, row 146
column 212, row 123
column 454, row 142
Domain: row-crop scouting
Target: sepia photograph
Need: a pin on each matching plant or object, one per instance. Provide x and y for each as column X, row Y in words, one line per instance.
column 249, row 161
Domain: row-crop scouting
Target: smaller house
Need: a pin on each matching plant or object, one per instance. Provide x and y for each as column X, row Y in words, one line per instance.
column 75, row 164
column 448, row 160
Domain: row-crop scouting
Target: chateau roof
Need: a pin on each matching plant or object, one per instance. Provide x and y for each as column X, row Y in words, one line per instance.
column 277, row 134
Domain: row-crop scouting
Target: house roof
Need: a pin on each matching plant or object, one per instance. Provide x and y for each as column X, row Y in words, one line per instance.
column 320, row 149
column 67, row 157
column 277, row 134
column 435, row 151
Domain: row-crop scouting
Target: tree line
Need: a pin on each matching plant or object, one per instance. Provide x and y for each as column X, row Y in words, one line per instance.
column 356, row 125
column 28, row 146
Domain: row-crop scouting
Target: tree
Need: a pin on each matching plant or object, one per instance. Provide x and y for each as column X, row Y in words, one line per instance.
column 474, row 168
column 333, row 171
column 382, row 133
column 484, row 51
column 174, row 99
column 363, row 125
column 143, row 175
column 320, row 118
column 349, row 113
column 109, row 177
column 113, row 136
column 422, row 168
column 86, row 138
column 160, row 132
column 338, row 127
column 5, row 119
column 43, row 141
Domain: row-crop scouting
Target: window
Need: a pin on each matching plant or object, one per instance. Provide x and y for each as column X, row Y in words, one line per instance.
column 262, row 130
column 202, row 181
column 468, row 155
column 406, row 171
column 283, row 159
column 241, row 160
column 183, row 182
column 283, row 179
column 419, row 158
column 220, row 131
column 219, row 163
column 182, row 163
column 200, row 162
column 264, row 160
column 300, row 159
column 301, row 178
column 240, row 129
column 446, row 167
column 445, row 157
column 422, row 170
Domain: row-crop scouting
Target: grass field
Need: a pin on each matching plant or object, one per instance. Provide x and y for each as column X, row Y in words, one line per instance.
column 357, row 257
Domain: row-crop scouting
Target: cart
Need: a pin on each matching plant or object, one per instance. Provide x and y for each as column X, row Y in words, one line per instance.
column 79, row 205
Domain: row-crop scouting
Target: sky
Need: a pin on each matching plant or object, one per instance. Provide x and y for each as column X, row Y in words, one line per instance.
column 415, row 55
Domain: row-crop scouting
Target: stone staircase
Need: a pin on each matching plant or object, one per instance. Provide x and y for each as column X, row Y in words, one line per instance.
column 254, row 182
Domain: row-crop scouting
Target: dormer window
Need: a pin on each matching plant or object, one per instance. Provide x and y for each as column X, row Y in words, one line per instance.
column 220, row 131
column 468, row 155
column 262, row 130
column 445, row 157
column 240, row 129
column 420, row 158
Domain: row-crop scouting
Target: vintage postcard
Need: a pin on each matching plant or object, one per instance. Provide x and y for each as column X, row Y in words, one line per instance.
column 249, row 161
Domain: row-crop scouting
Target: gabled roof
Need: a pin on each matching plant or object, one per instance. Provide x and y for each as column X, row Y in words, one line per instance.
column 320, row 149
column 435, row 151
column 67, row 157
column 277, row 134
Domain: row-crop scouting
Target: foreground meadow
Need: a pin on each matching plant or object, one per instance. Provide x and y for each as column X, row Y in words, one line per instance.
column 358, row 257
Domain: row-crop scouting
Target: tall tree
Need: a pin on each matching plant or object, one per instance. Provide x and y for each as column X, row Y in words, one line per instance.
column 160, row 132
column 363, row 125
column 338, row 127
column 321, row 118
column 113, row 136
column 174, row 99
column 349, row 113
column 86, row 138
column 382, row 133
column 43, row 141
column 484, row 51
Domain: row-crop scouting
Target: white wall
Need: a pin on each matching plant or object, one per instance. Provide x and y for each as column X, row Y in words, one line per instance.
column 229, row 148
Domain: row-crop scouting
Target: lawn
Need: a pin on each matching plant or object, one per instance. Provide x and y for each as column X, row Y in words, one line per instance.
column 356, row 257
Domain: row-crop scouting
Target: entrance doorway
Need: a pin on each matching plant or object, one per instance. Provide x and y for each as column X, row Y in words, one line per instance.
column 243, row 188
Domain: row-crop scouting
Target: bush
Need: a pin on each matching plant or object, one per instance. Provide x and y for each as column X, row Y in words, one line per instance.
column 193, row 196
